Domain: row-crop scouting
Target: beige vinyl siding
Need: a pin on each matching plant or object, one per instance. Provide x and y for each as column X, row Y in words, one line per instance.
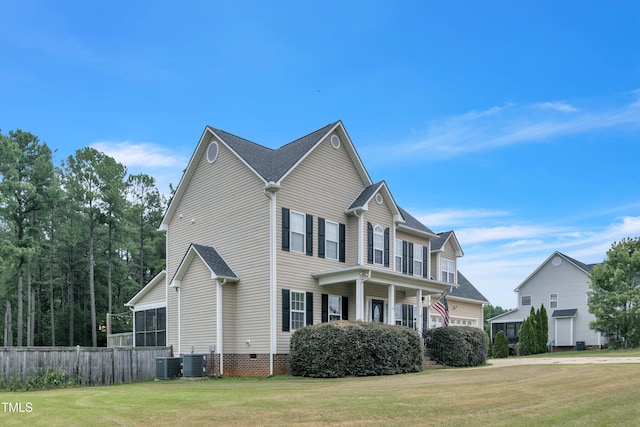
column 465, row 310
column 224, row 206
column 156, row 295
column 323, row 185
column 198, row 314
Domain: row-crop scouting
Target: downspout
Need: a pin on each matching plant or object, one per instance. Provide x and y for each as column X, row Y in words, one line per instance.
column 270, row 192
column 219, row 328
column 179, row 322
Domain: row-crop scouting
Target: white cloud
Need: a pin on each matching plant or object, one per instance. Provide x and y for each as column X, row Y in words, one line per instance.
column 163, row 164
column 511, row 124
column 452, row 217
column 140, row 154
column 560, row 106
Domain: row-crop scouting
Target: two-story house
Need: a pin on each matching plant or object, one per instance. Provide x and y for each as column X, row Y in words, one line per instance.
column 560, row 283
column 261, row 242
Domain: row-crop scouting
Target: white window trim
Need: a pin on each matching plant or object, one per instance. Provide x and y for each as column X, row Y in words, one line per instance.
column 397, row 255
column 327, row 240
column 304, row 232
column 339, row 313
column 417, row 260
column 448, row 263
column 292, row 310
column 551, row 300
column 378, row 231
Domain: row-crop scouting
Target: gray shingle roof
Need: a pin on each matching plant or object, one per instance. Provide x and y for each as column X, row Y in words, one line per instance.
column 585, row 267
column 436, row 244
column 565, row 313
column 365, row 195
column 412, row 222
column 214, row 261
column 269, row 163
column 466, row 290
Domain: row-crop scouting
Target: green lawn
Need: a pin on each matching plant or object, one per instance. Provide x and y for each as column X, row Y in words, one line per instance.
column 536, row 395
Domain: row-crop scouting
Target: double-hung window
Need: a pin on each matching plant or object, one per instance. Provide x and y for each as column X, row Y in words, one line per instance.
column 448, row 270
column 378, row 245
column 398, row 255
column 553, row 301
column 525, row 300
column 331, row 239
column 297, row 231
column 335, row 308
column 417, row 260
column 297, row 310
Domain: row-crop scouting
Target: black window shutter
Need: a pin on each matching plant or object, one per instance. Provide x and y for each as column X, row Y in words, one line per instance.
column 285, row 229
column 325, row 308
column 386, row 247
column 405, row 315
column 342, row 243
column 285, row 311
column 309, row 307
column 345, row 308
column 369, row 243
column 425, row 258
column 309, row 230
column 410, row 258
column 405, row 256
column 320, row 237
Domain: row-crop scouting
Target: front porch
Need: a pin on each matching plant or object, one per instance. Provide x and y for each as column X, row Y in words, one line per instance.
column 379, row 291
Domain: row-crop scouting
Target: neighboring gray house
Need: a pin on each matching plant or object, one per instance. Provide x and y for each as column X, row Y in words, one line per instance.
column 561, row 284
column 261, row 242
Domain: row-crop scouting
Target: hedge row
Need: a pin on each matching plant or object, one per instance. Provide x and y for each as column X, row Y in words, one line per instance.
column 338, row 349
column 463, row 345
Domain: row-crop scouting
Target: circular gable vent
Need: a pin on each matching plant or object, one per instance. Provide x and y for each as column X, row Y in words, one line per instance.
column 379, row 198
column 556, row 261
column 212, row 152
column 335, row 142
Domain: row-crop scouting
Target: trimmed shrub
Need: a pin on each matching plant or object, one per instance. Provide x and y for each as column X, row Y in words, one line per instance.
column 337, row 349
column 500, row 346
column 463, row 345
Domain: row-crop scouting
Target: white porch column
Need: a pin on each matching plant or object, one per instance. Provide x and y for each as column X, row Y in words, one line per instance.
column 219, row 329
column 360, row 299
column 391, row 315
column 419, row 310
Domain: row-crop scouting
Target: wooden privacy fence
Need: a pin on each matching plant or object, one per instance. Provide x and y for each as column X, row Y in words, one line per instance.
column 86, row 366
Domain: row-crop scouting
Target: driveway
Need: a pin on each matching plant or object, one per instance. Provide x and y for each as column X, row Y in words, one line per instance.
column 515, row 361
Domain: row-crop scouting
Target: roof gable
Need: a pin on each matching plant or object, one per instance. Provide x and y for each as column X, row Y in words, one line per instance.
column 584, row 268
column 212, row 260
column 270, row 165
column 157, row 280
column 444, row 237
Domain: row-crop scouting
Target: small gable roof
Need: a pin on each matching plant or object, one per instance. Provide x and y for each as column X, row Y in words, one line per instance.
column 585, row 268
column 571, row 312
column 212, row 260
column 156, row 281
column 466, row 290
column 443, row 238
column 270, row 165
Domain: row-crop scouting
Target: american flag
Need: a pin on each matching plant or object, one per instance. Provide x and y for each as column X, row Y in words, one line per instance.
column 442, row 307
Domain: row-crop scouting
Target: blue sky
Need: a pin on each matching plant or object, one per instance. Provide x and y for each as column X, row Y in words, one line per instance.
column 516, row 124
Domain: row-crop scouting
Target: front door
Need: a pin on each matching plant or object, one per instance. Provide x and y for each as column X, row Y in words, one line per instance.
column 377, row 310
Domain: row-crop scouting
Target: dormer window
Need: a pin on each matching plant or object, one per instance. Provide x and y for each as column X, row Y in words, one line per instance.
column 448, row 269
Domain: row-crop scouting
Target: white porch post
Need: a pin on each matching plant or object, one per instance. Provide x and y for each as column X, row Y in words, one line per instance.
column 219, row 332
column 360, row 299
column 419, row 310
column 391, row 315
